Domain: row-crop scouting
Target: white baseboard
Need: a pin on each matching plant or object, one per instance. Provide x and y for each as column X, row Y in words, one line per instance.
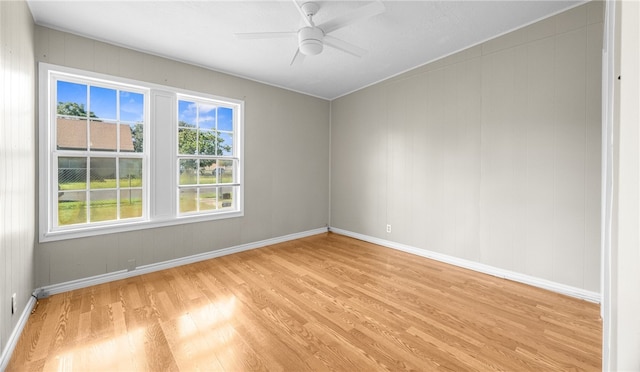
column 12, row 341
column 123, row 274
column 479, row 267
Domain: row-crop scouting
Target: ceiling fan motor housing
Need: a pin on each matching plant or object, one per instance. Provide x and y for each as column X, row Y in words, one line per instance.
column 310, row 40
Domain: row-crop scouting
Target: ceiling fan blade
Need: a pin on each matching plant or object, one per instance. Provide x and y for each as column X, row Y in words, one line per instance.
column 344, row 46
column 265, row 35
column 297, row 58
column 307, row 21
column 352, row 16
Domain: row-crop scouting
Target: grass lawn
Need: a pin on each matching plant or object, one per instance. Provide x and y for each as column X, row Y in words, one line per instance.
column 206, row 179
column 208, row 201
column 70, row 213
column 75, row 212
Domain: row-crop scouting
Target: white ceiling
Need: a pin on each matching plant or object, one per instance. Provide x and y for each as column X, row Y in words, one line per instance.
column 408, row 34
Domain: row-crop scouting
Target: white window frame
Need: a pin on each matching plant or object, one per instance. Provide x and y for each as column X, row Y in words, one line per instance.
column 232, row 157
column 160, row 207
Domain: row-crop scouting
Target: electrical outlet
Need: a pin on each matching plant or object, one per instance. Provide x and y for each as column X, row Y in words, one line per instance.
column 13, row 303
column 131, row 264
column 389, row 229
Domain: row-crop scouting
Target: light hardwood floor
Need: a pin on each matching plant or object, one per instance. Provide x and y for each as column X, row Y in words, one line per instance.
column 326, row 302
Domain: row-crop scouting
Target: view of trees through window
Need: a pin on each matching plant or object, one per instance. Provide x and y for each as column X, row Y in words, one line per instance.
column 207, row 167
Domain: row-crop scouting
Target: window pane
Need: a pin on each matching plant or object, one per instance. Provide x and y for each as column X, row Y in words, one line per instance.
column 103, row 103
column 130, row 172
column 71, row 134
column 225, row 119
column 188, row 200
column 103, row 206
column 207, row 171
column 207, row 143
column 187, row 114
column 126, row 138
column 227, row 197
column 187, row 141
column 72, row 99
column 103, row 136
column 130, row 203
column 206, row 116
column 207, row 198
column 103, row 173
column 72, row 173
column 227, row 171
column 131, row 107
column 136, row 131
column 217, row 171
column 188, row 169
column 225, row 144
column 72, row 208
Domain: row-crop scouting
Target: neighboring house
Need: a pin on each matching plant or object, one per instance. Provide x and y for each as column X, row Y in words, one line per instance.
column 72, row 135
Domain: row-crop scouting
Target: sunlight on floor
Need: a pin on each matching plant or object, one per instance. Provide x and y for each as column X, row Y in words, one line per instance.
column 203, row 335
column 114, row 354
column 206, row 317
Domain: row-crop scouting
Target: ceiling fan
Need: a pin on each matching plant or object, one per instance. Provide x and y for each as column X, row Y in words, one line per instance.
column 312, row 38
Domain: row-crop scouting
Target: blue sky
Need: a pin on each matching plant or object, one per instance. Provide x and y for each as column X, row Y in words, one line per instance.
column 188, row 112
column 103, row 101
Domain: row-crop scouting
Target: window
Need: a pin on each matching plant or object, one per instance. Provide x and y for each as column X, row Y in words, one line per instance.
column 112, row 149
column 99, row 152
column 207, row 160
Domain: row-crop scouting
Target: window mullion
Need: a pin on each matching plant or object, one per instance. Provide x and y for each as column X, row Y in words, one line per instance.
column 88, row 192
column 118, row 148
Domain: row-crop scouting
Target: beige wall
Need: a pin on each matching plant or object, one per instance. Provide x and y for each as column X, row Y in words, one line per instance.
column 17, row 162
column 286, row 164
column 490, row 155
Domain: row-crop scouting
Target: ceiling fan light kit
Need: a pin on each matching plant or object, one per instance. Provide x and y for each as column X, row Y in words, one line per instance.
column 310, row 40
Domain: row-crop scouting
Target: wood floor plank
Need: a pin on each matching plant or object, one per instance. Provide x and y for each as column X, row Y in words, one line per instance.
column 322, row 303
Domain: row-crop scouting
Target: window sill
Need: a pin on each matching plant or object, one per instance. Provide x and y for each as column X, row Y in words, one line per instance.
column 91, row 231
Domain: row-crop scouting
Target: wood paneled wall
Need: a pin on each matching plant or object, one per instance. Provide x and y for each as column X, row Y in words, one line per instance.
column 490, row 155
column 17, row 162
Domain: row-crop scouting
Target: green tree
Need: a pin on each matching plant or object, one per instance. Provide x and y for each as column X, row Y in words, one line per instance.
column 137, row 136
column 194, row 142
column 73, row 109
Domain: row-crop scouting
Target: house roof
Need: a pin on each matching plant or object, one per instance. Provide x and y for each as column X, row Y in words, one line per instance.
column 72, row 135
